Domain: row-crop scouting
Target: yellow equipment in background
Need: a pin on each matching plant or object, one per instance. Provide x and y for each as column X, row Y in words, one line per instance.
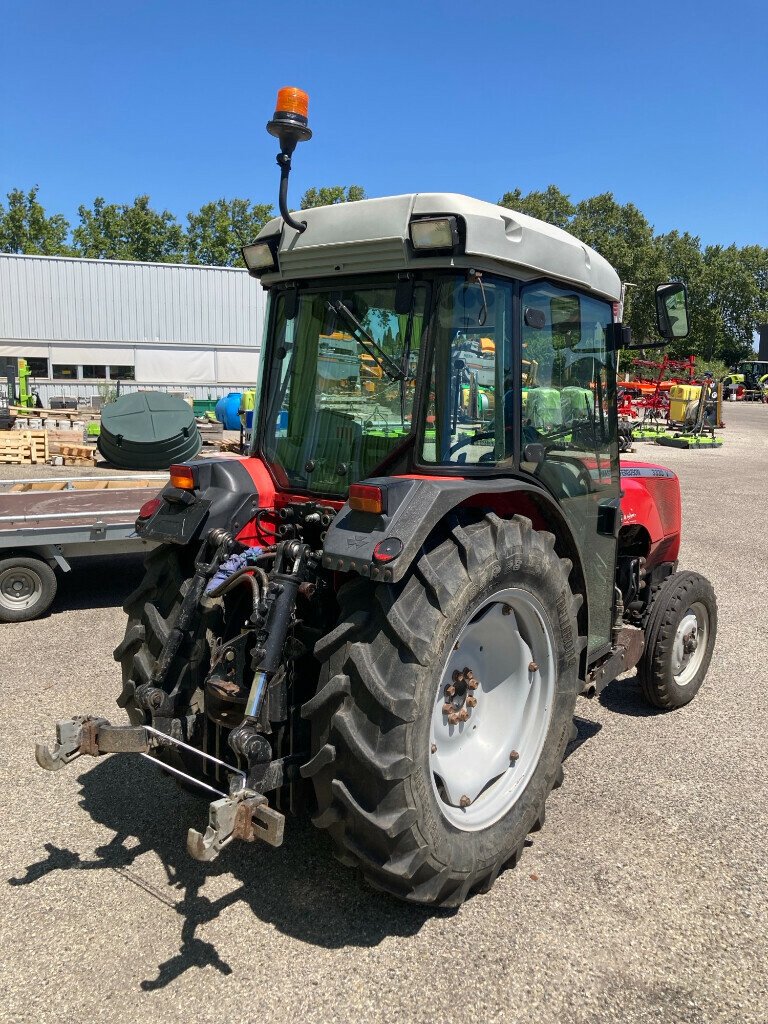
column 680, row 398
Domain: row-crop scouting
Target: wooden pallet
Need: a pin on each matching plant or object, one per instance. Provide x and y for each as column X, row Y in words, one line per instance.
column 76, row 451
column 77, row 454
column 64, row 437
column 23, row 447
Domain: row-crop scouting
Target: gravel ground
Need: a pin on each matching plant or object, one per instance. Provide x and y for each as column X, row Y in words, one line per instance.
column 643, row 898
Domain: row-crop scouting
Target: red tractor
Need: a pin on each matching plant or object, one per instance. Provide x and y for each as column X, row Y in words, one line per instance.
column 389, row 608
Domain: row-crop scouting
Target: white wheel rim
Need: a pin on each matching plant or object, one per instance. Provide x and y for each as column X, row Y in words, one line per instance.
column 481, row 766
column 690, row 644
column 19, row 588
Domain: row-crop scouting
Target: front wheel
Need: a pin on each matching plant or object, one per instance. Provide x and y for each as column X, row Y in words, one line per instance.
column 444, row 707
column 679, row 639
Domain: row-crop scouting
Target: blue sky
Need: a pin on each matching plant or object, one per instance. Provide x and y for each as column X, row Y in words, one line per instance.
column 663, row 104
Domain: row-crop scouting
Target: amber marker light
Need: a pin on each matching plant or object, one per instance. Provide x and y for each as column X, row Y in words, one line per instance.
column 366, row 498
column 183, row 477
column 291, row 100
column 290, row 121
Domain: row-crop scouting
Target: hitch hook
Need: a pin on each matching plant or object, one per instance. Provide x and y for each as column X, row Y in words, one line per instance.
column 246, row 816
column 69, row 742
column 85, row 734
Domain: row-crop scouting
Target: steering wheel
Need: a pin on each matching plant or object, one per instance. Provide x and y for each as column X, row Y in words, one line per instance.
column 482, row 436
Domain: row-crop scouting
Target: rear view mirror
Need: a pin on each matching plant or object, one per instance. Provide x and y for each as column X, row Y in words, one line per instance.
column 672, row 310
column 565, row 317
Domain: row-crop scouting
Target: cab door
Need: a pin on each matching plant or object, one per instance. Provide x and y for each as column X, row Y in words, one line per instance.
column 569, row 429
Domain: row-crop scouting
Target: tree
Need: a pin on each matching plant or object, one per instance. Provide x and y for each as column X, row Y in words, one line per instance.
column 122, row 232
column 26, row 228
column 332, row 194
column 736, row 299
column 623, row 236
column 219, row 230
column 552, row 205
column 727, row 286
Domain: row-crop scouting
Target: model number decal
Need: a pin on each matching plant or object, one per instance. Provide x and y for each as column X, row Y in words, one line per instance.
column 647, row 471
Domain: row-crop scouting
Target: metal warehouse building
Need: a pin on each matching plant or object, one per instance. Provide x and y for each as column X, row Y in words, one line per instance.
column 83, row 325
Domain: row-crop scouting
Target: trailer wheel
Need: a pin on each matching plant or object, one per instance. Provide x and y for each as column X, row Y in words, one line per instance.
column 27, row 588
column 430, row 777
column 679, row 639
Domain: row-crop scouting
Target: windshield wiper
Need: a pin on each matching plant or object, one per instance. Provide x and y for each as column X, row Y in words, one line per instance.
column 382, row 360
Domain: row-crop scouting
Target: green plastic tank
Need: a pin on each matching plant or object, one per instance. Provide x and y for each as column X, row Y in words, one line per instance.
column 148, row 430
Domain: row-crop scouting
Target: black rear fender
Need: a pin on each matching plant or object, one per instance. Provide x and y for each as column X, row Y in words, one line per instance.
column 415, row 509
column 225, row 497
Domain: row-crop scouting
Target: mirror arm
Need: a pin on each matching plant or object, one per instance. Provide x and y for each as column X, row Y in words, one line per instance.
column 617, row 337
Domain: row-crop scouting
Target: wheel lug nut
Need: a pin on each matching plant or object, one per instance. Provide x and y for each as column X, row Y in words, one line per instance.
column 464, row 801
column 450, row 691
column 453, row 718
column 533, row 667
column 473, row 684
column 463, row 715
column 513, row 755
column 448, row 709
column 471, row 702
column 458, row 677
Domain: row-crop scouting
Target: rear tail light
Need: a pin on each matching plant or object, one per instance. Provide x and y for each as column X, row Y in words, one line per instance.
column 149, row 508
column 366, row 498
column 183, row 477
column 387, row 550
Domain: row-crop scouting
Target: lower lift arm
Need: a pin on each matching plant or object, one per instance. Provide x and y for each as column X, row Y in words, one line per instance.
column 243, row 814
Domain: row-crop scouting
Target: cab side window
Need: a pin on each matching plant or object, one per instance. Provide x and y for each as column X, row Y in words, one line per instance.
column 565, row 380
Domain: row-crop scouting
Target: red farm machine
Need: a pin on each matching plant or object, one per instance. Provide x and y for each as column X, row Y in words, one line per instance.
column 387, row 611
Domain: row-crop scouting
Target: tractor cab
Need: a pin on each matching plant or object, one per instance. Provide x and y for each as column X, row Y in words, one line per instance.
column 487, row 369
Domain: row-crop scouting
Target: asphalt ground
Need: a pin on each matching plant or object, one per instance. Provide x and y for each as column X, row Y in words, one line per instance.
column 642, row 899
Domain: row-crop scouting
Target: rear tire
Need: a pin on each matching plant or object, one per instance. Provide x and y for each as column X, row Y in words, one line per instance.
column 153, row 609
column 679, row 639
column 375, row 713
column 27, row 588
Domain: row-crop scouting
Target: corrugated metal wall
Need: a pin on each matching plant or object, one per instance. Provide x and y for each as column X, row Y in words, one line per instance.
column 46, row 298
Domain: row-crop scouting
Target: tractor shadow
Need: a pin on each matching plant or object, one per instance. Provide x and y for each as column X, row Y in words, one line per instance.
column 624, row 697
column 585, row 731
column 299, row 888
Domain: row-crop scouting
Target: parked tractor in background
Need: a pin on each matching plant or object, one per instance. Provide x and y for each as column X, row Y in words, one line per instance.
column 748, row 381
column 399, row 594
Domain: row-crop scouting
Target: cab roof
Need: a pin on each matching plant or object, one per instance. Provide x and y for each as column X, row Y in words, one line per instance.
column 373, row 235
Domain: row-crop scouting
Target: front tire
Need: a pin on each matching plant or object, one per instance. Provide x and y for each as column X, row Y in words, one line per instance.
column 679, row 640
column 382, row 744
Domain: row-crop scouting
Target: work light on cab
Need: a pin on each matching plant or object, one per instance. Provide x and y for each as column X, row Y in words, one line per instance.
column 260, row 257
column 435, row 234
